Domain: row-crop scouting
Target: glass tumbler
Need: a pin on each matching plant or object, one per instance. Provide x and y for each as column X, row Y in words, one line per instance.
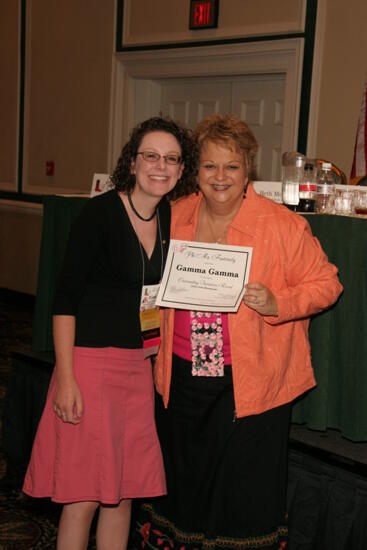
column 344, row 202
column 360, row 203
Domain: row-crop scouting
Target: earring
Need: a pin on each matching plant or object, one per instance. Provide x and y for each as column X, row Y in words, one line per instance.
column 197, row 188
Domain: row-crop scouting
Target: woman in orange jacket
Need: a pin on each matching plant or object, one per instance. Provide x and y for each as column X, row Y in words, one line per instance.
column 228, row 380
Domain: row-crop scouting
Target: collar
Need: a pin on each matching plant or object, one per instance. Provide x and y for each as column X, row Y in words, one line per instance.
column 185, row 214
column 246, row 218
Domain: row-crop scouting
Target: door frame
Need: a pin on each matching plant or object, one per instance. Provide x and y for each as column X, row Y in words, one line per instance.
column 136, row 89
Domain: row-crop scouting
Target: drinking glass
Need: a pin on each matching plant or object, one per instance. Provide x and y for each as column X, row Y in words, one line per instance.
column 344, row 202
column 360, row 203
column 324, row 203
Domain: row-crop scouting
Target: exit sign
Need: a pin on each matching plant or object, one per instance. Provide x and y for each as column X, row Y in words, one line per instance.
column 203, row 14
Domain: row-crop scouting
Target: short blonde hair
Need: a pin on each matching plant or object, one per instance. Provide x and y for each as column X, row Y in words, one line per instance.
column 228, row 131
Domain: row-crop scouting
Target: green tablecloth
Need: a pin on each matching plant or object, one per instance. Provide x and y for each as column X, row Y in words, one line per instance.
column 337, row 336
column 58, row 215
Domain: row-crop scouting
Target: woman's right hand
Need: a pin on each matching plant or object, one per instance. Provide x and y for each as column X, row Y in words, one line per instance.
column 68, row 401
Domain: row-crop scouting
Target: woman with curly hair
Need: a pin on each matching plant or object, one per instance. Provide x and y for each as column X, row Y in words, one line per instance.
column 96, row 445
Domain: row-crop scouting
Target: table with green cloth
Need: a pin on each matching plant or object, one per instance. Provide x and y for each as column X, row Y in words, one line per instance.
column 58, row 216
column 30, row 376
column 337, row 336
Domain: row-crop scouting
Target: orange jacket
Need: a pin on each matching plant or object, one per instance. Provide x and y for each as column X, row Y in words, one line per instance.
column 271, row 362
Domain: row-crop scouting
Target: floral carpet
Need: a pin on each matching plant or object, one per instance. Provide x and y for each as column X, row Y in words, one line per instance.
column 25, row 523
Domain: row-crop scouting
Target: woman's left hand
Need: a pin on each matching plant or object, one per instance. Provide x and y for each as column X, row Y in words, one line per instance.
column 261, row 299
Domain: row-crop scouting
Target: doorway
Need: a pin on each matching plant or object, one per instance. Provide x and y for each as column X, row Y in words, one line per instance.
column 148, row 82
column 256, row 99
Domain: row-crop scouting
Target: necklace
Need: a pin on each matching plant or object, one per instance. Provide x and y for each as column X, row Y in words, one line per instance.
column 137, row 213
column 141, row 249
column 222, row 237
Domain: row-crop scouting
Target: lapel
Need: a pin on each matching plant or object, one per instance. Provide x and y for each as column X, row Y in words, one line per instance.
column 242, row 230
column 185, row 214
column 243, row 227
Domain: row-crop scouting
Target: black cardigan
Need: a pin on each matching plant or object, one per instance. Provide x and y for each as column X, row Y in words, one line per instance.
column 101, row 279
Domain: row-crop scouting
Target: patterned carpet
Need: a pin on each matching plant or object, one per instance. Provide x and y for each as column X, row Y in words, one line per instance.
column 327, row 503
column 25, row 523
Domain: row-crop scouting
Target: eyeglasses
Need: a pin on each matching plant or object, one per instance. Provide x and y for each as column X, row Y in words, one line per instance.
column 152, row 156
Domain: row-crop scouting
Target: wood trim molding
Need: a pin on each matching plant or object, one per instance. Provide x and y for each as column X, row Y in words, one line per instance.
column 136, row 74
column 316, row 79
column 220, row 33
column 21, row 207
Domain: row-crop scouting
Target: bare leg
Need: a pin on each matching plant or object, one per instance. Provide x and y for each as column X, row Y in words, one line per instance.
column 113, row 526
column 74, row 526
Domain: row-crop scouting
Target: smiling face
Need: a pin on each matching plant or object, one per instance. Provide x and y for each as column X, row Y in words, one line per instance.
column 222, row 175
column 156, row 179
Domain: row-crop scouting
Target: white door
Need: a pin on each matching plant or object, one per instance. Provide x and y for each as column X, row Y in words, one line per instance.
column 189, row 100
column 256, row 99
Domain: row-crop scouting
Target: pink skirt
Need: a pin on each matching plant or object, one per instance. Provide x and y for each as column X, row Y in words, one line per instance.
column 114, row 452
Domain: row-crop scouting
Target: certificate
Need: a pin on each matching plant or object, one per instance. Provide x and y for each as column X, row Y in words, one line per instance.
column 204, row 276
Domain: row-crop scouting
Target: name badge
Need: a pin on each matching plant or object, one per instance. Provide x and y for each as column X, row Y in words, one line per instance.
column 149, row 320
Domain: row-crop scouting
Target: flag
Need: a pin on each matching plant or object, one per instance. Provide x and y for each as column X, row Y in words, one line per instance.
column 359, row 166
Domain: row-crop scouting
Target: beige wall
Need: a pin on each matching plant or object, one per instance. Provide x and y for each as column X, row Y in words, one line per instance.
column 9, row 64
column 67, row 98
column 237, row 18
column 69, row 46
column 343, row 73
column 68, row 92
column 20, row 237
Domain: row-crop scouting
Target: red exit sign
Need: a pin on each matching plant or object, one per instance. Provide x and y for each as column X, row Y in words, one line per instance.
column 204, row 14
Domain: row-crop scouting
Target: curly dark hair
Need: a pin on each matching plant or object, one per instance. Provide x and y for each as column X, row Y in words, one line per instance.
column 125, row 181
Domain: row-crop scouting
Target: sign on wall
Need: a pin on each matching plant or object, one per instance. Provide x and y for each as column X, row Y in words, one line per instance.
column 203, row 14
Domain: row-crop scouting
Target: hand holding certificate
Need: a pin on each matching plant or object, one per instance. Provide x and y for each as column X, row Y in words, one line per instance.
column 204, row 276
